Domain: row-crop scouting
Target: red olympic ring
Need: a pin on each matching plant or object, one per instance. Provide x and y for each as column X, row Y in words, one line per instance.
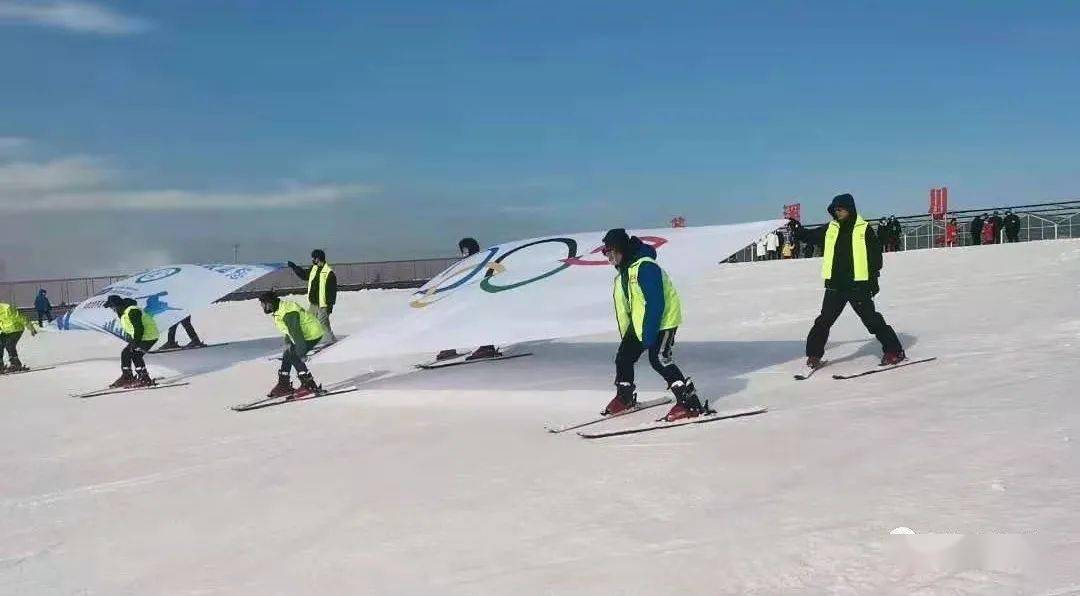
column 653, row 241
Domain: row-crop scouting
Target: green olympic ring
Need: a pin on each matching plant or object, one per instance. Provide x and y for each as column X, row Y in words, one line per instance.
column 571, row 252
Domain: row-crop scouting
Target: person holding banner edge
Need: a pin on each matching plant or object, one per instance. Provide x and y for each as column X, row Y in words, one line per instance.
column 193, row 337
column 469, row 247
column 648, row 312
column 141, row 333
column 851, row 267
column 322, row 290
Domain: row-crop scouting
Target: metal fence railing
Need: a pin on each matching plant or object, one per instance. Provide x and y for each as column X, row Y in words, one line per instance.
column 64, row 293
column 1044, row 221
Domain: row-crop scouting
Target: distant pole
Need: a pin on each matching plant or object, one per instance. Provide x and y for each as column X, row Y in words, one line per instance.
column 236, row 253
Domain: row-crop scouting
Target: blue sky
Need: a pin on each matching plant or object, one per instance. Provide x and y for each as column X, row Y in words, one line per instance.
column 136, row 132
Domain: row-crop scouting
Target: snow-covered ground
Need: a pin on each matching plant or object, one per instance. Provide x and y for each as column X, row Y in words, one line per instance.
column 445, row 482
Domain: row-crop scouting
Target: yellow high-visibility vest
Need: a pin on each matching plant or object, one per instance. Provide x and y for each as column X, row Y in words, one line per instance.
column 860, row 260
column 630, row 310
column 310, row 327
column 323, row 275
column 150, row 330
column 11, row 320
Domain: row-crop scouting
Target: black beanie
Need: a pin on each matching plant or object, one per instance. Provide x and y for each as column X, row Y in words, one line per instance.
column 845, row 200
column 470, row 245
column 318, row 254
column 617, row 239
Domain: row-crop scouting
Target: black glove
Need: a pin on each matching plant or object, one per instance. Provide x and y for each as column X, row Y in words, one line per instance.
column 875, row 289
column 329, row 309
column 290, row 264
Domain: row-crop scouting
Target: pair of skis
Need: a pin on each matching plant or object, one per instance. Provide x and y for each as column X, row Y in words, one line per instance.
column 346, row 386
column 185, row 348
column 873, row 371
column 159, row 383
column 12, row 373
column 464, row 359
column 657, row 425
column 267, row 402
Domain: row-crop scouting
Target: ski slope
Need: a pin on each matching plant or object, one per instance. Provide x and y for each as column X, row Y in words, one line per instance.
column 445, row 482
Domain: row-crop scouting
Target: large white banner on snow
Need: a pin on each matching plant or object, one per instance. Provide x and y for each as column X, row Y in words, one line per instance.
column 541, row 288
column 167, row 293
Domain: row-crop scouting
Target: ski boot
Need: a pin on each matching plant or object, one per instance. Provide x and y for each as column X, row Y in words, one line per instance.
column 446, row 355
column 142, row 378
column 16, row 366
column 484, row 352
column 307, row 388
column 687, row 404
column 3, row 368
column 625, row 398
column 893, row 358
column 813, row 362
column 126, row 380
column 169, row 345
column 283, row 388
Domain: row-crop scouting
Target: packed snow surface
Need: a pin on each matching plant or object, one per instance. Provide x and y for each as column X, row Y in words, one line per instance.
column 445, row 482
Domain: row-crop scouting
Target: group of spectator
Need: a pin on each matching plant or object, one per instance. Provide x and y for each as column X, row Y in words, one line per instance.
column 987, row 229
column 776, row 245
column 889, row 232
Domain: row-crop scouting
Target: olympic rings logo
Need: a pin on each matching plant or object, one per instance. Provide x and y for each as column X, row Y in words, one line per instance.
column 157, row 274
column 463, row 271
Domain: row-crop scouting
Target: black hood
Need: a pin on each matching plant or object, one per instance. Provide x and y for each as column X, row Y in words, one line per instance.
column 846, row 201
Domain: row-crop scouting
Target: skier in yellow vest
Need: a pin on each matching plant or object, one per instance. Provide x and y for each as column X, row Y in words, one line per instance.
column 12, row 325
column 302, row 331
column 141, row 333
column 322, row 289
column 648, row 311
column 851, row 267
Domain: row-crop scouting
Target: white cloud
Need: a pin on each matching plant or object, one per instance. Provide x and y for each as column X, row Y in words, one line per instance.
column 62, row 174
column 71, row 15
column 84, row 183
column 9, row 144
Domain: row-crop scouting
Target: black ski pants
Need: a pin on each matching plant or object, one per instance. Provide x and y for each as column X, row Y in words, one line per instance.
column 188, row 327
column 863, row 304
column 631, row 349
column 133, row 354
column 293, row 357
column 8, row 342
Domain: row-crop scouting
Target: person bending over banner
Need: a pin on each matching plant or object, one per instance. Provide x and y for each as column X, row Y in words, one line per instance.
column 322, row 289
column 12, row 325
column 469, row 247
column 851, row 267
column 141, row 333
column 302, row 331
column 648, row 312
